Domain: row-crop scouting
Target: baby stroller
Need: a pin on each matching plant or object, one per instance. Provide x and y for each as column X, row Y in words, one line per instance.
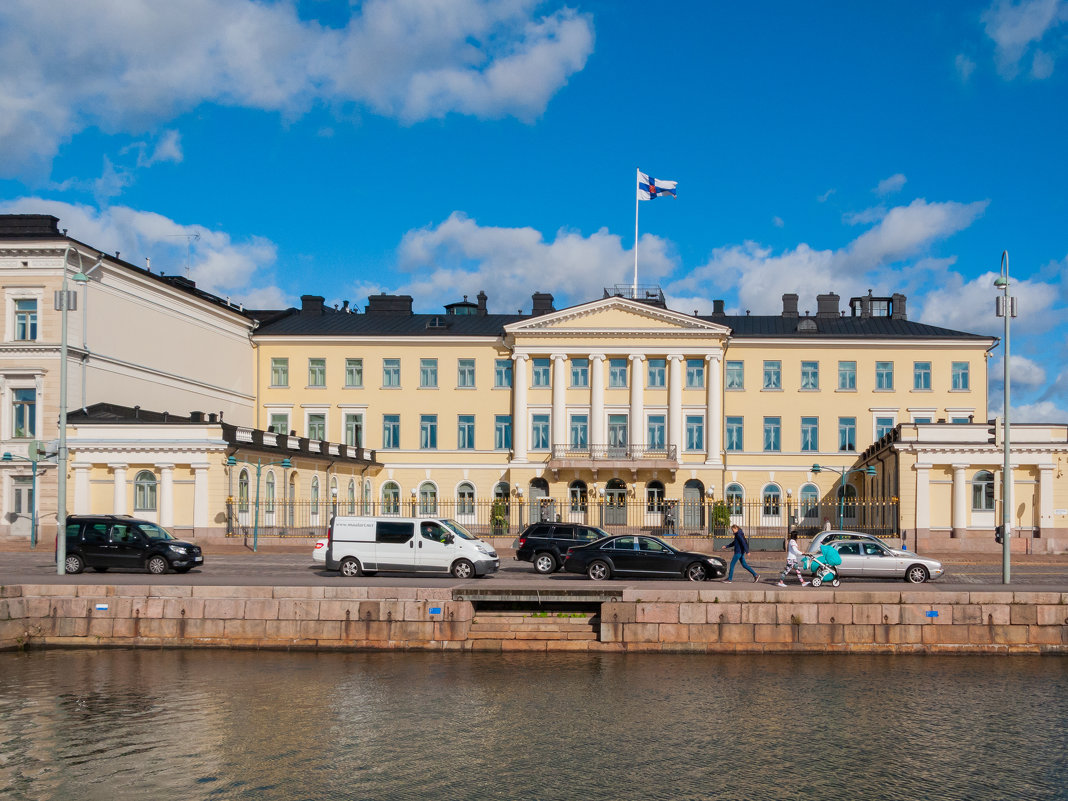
column 823, row 566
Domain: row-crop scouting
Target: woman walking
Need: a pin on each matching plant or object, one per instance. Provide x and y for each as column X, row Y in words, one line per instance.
column 741, row 548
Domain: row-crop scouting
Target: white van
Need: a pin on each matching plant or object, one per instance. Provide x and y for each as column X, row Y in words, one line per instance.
column 362, row 546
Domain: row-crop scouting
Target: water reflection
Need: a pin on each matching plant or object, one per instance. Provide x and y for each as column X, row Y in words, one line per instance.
column 118, row 724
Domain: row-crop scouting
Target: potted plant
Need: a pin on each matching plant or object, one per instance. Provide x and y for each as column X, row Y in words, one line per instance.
column 721, row 518
column 499, row 518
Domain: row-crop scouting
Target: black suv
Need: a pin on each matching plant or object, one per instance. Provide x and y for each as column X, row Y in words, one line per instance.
column 103, row 541
column 546, row 544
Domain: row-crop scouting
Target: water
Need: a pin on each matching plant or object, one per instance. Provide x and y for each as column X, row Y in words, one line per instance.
column 141, row 724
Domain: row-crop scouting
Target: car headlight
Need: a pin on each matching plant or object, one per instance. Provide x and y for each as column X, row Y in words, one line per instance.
column 179, row 549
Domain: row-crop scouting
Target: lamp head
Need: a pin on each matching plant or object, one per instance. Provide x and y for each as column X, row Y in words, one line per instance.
column 286, row 463
column 231, row 461
column 816, row 468
column 80, row 278
column 1001, row 282
column 6, row 457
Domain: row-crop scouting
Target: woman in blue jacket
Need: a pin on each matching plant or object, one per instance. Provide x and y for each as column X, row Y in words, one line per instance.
column 741, row 548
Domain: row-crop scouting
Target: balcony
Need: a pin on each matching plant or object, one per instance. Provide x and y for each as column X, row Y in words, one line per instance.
column 613, row 458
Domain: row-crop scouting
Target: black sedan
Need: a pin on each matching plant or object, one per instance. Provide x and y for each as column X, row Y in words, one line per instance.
column 641, row 556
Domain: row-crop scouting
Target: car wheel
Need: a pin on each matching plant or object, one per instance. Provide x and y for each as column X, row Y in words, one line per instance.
column 73, row 564
column 599, row 571
column 100, row 569
column 544, row 563
column 816, row 581
column 462, row 569
column 157, row 565
column 350, row 567
column 917, row 574
column 696, row 572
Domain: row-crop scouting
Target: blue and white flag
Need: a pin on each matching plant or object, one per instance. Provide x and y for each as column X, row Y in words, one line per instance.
column 652, row 188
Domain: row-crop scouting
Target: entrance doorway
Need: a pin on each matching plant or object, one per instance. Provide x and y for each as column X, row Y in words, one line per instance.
column 615, row 503
column 693, row 507
column 21, row 506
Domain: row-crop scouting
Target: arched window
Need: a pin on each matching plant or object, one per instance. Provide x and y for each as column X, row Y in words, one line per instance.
column 242, row 491
column 366, row 500
column 391, row 498
column 145, row 492
column 428, row 499
column 352, row 496
column 983, row 491
column 315, row 494
column 465, row 499
column 578, row 496
column 772, row 498
column 268, row 493
column 810, row 501
column 734, row 497
column 654, row 496
column 333, row 489
column 500, row 492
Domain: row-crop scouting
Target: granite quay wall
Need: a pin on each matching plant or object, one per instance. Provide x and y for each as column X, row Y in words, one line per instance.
column 636, row 620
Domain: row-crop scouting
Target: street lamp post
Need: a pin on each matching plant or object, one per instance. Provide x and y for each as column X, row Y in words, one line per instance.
column 7, row 457
column 260, row 464
column 1006, row 307
column 842, row 472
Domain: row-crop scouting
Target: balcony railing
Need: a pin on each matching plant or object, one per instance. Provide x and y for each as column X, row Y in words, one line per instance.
column 667, row 453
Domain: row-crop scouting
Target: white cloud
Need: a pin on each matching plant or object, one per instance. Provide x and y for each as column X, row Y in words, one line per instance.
column 1041, row 65
column 965, row 67
column 168, row 148
column 890, row 185
column 459, row 257
column 825, row 196
column 1014, row 27
column 1026, row 374
column 129, row 66
column 969, row 305
column 1040, row 412
column 777, row 221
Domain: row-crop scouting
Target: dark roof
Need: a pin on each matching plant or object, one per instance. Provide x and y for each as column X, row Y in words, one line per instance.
column 743, row 326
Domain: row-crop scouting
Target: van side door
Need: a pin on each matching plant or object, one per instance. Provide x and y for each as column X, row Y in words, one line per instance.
column 395, row 545
column 432, row 553
column 94, row 545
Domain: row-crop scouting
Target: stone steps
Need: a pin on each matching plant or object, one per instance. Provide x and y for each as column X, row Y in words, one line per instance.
column 513, row 625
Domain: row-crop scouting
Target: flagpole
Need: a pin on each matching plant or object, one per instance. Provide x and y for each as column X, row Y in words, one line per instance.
column 635, row 292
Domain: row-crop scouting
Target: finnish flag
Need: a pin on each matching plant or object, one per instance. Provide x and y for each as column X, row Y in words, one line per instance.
column 652, row 188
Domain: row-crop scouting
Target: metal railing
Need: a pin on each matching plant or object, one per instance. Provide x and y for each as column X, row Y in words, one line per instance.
column 606, row 452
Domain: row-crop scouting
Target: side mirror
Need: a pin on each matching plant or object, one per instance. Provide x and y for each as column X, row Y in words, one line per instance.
column 449, row 539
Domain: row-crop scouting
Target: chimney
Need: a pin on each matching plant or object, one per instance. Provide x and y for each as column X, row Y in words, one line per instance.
column 542, row 304
column 345, row 306
column 389, row 304
column 789, row 305
column 898, row 311
column 481, row 303
column 311, row 304
column 43, row 225
column 196, row 417
column 827, row 306
column 717, row 308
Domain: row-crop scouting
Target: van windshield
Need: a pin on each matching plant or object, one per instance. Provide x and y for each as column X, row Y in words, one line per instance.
column 459, row 530
column 154, row 532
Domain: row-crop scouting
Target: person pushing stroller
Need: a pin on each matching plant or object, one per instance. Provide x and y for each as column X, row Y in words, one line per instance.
column 793, row 562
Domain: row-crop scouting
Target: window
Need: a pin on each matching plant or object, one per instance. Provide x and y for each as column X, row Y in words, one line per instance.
column 772, row 433
column 465, row 373
column 315, row 495
column 352, row 496
column 810, row 433
column 502, row 373
column 960, row 420
column 428, row 373
column 617, row 430
column 772, row 498
column 279, row 372
column 26, row 319
column 657, row 429
column 810, row 375
column 657, row 372
column 847, row 375
column 539, row 434
column 921, row 375
column 354, row 430
column 580, row 373
column 353, row 373
column 734, row 432
column 428, row 499
column 502, row 432
column 809, row 502
column 654, row 496
column 884, row 375
column 578, row 496
column 539, row 373
column 735, row 378
column 242, row 491
column 428, row 431
column 847, row 433
column 465, row 432
column 268, row 492
column 316, row 372
column 983, row 492
column 316, row 426
column 960, row 375
column 279, row 423
column 734, row 497
column 695, row 374
column 391, row 498
column 883, row 426
column 145, row 491
column 391, row 431
column 695, row 433
column 772, row 375
column 580, row 431
column 24, row 413
column 921, row 419
column 617, row 373
column 465, row 499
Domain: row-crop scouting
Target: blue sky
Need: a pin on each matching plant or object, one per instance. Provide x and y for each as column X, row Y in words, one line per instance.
column 442, row 147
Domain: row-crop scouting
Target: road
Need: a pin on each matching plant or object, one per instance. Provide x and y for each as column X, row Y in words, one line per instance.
column 297, row 570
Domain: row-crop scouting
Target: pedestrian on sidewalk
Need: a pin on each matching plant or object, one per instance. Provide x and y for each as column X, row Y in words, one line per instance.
column 793, row 561
column 741, row 548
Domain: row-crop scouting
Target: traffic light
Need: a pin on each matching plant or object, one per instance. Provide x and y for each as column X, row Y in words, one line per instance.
column 999, row 534
column 994, row 432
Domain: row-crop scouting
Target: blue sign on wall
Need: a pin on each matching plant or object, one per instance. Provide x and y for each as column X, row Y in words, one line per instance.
column 932, row 613
column 435, row 610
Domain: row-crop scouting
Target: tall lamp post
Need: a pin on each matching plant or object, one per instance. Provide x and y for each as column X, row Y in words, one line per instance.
column 8, row 457
column 842, row 472
column 260, row 464
column 1006, row 307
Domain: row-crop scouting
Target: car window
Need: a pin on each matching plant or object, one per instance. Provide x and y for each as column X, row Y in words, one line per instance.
column 651, row 545
column 564, row 532
column 390, row 532
column 433, row 531
column 123, row 533
column 591, row 534
column 539, row 531
column 873, row 549
column 95, row 533
column 848, row 548
column 154, row 532
column 620, row 544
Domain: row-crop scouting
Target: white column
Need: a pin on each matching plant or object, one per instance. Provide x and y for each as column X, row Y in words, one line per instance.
column 519, row 413
column 82, row 503
column 597, row 437
column 166, row 495
column 637, row 401
column 714, row 414
column 675, row 433
column 119, row 504
column 1045, row 497
column 559, row 426
column 960, row 500
column 923, row 497
column 201, row 511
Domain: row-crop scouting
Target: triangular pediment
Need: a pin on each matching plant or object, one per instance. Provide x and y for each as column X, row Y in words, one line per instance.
column 616, row 315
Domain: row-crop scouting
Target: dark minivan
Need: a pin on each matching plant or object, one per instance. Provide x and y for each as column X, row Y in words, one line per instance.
column 104, row 541
column 546, row 544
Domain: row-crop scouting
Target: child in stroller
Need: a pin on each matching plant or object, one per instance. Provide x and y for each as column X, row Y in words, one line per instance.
column 823, row 566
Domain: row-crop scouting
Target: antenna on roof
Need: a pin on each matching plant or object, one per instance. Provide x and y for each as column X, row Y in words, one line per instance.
column 189, row 240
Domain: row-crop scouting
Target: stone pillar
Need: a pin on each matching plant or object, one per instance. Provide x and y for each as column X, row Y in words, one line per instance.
column 923, row 499
column 675, row 432
column 519, row 412
column 959, row 521
column 119, row 504
column 637, row 402
column 201, row 510
column 559, row 424
column 166, row 494
column 1045, row 498
column 597, row 436
column 714, row 412
column 82, row 501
